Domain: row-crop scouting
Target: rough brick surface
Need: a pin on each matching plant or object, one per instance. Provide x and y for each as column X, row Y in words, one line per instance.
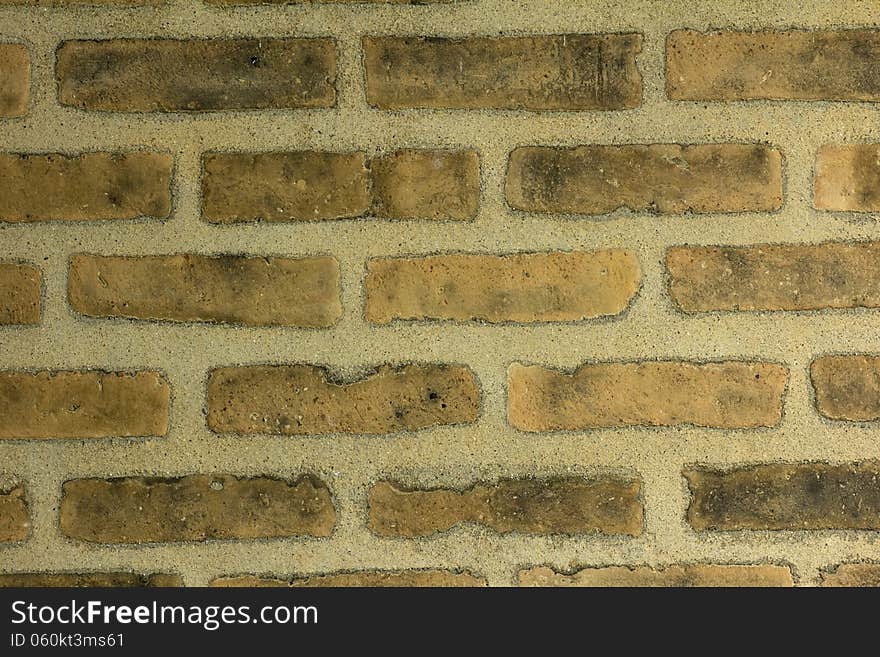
column 686, row 575
column 852, row 574
column 194, row 508
column 105, row 580
column 606, row 505
column 375, row 578
column 164, row 75
column 15, row 79
column 848, row 177
column 790, row 65
column 727, row 395
column 14, row 516
column 304, row 399
column 90, row 186
column 782, row 496
column 85, row 404
column 19, row 294
column 657, row 178
column 256, row 291
column 530, row 287
column 847, row 387
column 564, row 72
column 775, row 277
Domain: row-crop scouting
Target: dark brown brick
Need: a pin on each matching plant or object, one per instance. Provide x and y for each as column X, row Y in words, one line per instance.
column 685, row 575
column 15, row 79
column 194, row 508
column 82, row 580
column 19, row 294
column 847, row 387
column 369, row 578
column 15, row 520
column 848, row 177
column 163, row 75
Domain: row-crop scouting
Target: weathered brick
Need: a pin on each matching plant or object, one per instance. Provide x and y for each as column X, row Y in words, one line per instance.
column 89, row 186
column 657, row 178
column 15, row 79
column 194, row 508
column 254, row 291
column 19, row 294
column 304, row 399
column 15, row 520
column 775, row 277
column 684, row 575
column 561, row 72
column 847, row 387
column 295, row 186
column 727, row 395
column 782, row 496
column 527, row 287
column 369, row 578
column 852, row 575
column 848, row 177
column 92, row 3
column 234, row 3
column 79, row 580
column 426, row 184
column 163, row 75
column 775, row 65
column 84, row 404
column 607, row 505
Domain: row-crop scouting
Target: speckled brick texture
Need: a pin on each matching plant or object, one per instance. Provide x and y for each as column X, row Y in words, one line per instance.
column 439, row 293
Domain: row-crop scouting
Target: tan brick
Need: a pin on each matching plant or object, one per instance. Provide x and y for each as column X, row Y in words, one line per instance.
column 194, row 508
column 727, row 395
column 852, row 575
column 775, row 277
column 847, row 387
column 561, row 72
column 84, row 404
column 295, row 186
column 775, row 65
column 85, row 187
column 15, row 79
column 15, row 520
column 82, row 580
column 685, row 575
column 164, row 75
column 253, row 291
column 304, row 399
column 657, row 178
column 20, row 294
column 426, row 184
column 526, row 287
column 369, row 578
column 90, row 3
column 848, row 177
column 777, row 496
column 570, row 505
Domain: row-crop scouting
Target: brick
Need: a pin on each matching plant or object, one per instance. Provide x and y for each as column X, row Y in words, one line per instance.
column 527, row 287
column 234, row 3
column 20, row 294
column 80, row 580
column 570, row 505
column 852, row 575
column 848, row 177
column 85, row 187
column 194, row 508
column 561, row 72
column 775, row 277
column 74, row 3
column 305, row 399
column 775, row 65
column 729, row 395
column 15, row 79
column 296, row 186
column 83, row 404
column 805, row 496
column 656, row 178
column 15, row 520
column 847, row 387
column 163, row 75
column 426, row 184
column 369, row 578
column 685, row 575
column 252, row 291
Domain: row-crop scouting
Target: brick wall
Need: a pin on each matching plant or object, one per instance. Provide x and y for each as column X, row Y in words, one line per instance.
column 444, row 293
